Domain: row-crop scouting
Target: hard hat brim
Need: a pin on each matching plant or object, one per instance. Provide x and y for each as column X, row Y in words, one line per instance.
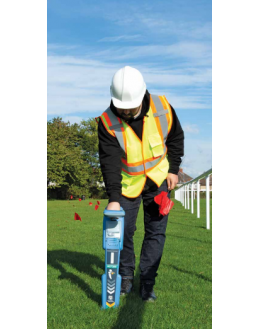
column 129, row 104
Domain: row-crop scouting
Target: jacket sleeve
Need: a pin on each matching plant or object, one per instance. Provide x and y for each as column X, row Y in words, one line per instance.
column 110, row 154
column 175, row 145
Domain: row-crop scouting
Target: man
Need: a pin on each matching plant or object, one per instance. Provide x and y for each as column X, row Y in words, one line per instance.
column 140, row 148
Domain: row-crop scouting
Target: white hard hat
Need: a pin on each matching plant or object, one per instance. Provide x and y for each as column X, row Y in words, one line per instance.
column 127, row 88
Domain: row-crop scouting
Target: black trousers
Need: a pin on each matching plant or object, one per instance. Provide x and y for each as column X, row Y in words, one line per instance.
column 154, row 238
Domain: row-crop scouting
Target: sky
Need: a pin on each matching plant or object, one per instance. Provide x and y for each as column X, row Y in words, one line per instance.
column 169, row 42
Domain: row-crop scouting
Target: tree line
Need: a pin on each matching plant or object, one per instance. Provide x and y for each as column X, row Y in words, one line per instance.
column 72, row 160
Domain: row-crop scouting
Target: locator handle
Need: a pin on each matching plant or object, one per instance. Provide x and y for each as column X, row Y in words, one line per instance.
column 114, row 214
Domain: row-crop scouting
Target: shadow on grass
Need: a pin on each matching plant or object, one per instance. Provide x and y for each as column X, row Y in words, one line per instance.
column 131, row 313
column 190, row 225
column 189, row 272
column 82, row 262
column 185, row 238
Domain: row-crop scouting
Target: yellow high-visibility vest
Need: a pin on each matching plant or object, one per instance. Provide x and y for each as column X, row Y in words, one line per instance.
column 146, row 158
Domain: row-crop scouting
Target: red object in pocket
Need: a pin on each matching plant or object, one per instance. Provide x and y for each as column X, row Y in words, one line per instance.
column 96, row 207
column 165, row 204
column 77, row 217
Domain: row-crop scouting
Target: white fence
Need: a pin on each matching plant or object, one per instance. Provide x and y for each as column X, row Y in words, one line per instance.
column 182, row 194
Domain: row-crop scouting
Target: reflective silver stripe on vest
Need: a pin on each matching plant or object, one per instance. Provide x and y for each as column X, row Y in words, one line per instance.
column 153, row 163
column 159, row 113
column 148, row 165
column 116, row 126
column 133, row 169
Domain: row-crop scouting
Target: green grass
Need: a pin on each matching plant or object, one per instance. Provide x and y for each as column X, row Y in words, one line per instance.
column 76, row 263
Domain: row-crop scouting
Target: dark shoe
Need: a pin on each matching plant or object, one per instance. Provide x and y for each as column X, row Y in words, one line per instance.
column 126, row 286
column 146, row 292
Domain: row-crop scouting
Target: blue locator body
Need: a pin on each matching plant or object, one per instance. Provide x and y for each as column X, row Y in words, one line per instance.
column 113, row 236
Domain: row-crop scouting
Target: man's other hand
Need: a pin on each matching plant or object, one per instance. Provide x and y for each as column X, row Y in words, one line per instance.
column 172, row 180
column 113, row 206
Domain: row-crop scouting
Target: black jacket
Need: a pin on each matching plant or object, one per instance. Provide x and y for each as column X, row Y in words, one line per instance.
column 110, row 152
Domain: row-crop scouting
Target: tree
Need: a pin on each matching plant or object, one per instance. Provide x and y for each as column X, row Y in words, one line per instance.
column 67, row 170
column 88, row 133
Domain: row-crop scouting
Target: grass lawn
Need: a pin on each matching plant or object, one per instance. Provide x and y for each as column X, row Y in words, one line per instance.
column 76, row 263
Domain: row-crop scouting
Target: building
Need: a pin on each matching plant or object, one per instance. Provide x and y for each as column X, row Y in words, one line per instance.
column 183, row 178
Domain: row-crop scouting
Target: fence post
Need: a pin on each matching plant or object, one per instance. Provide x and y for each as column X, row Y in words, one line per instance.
column 185, row 196
column 198, row 199
column 188, row 189
column 207, row 203
column 192, row 198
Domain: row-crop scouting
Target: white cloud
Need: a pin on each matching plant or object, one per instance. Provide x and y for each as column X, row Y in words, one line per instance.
column 78, row 85
column 186, row 101
column 190, row 128
column 81, row 84
column 195, row 30
column 73, row 119
column 55, row 47
column 197, row 156
column 121, row 37
column 198, row 53
column 159, row 24
column 176, row 78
